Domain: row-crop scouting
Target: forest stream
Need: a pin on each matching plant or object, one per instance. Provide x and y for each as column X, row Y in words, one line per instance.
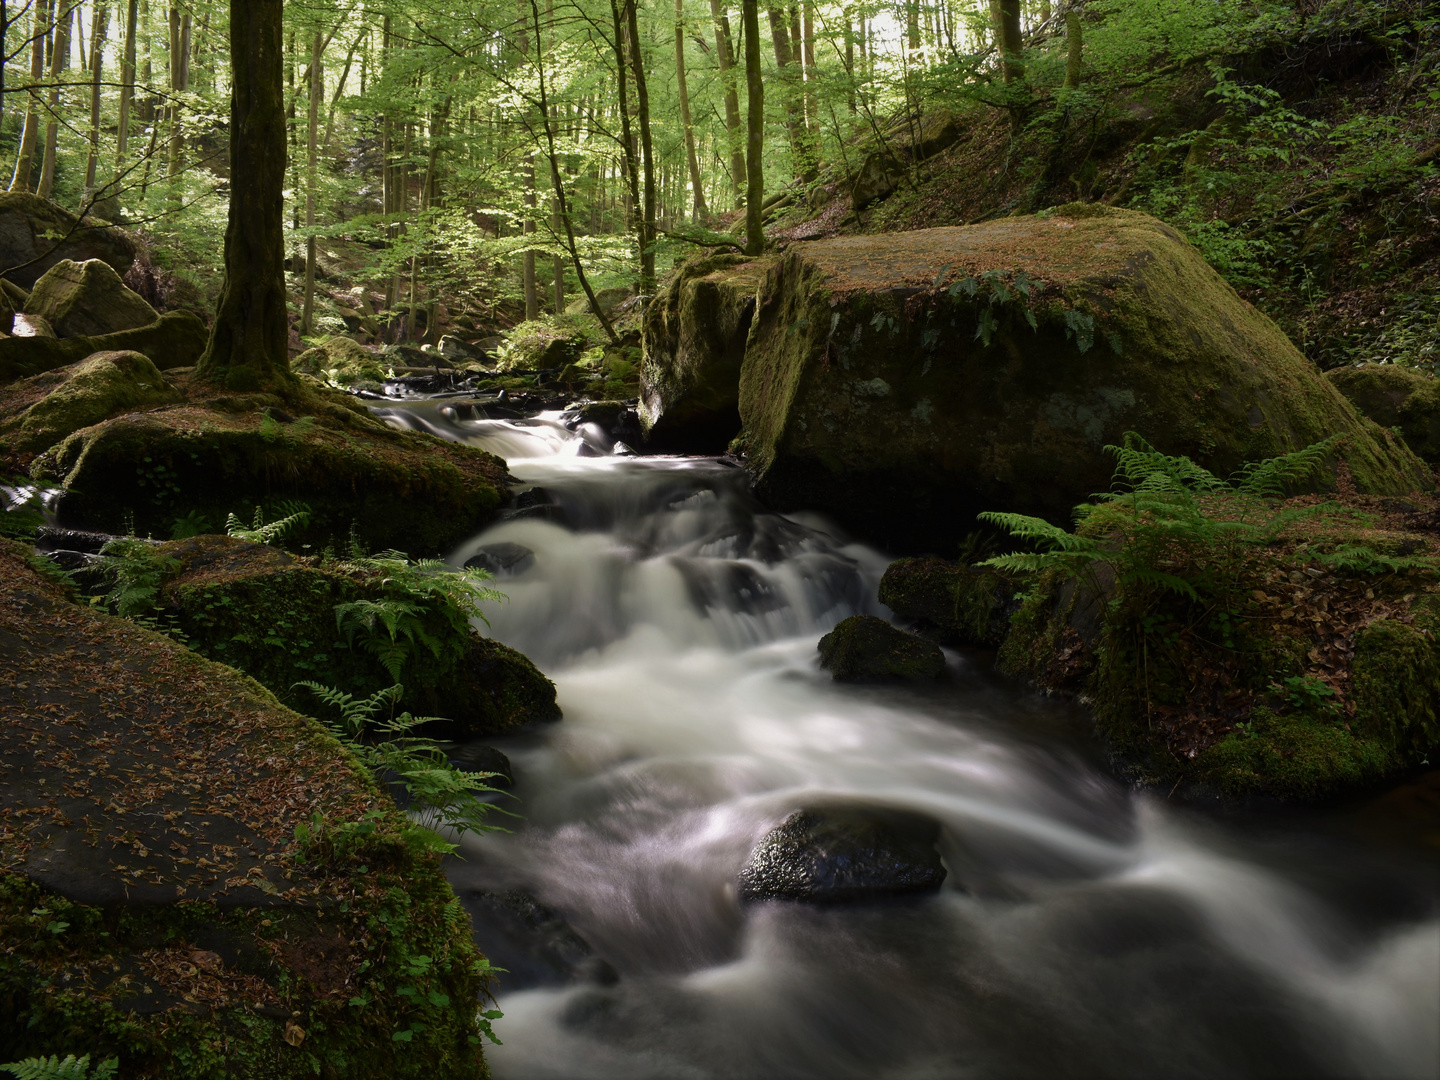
column 1083, row 929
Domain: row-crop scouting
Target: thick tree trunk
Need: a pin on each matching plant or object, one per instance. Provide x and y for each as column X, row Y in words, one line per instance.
column 312, row 179
column 248, row 346
column 1074, row 49
column 59, row 61
column 725, row 52
column 30, row 137
column 755, row 129
column 697, row 186
column 97, row 56
column 642, row 99
column 1008, row 43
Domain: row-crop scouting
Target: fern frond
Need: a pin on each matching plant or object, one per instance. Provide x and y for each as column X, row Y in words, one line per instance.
column 70, row 1068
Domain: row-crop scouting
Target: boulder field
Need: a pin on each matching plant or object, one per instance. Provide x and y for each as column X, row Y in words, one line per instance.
column 904, row 382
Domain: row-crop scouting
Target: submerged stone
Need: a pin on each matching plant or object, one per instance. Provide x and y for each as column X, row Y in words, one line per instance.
column 863, row 648
column 844, row 854
column 532, row 943
column 502, row 559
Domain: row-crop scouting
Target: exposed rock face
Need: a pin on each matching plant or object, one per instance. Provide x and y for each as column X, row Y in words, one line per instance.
column 26, row 224
column 956, row 604
column 401, row 489
column 694, row 342
column 175, row 339
column 1396, row 397
column 863, row 648
column 837, row 854
column 889, row 382
column 87, row 300
column 152, row 815
column 534, row 945
column 105, row 385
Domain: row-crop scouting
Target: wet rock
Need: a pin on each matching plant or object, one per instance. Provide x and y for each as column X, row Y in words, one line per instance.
column 534, row 945
column 538, row 503
column 955, row 604
column 1395, row 396
column 52, row 538
column 26, row 325
column 176, row 339
column 502, row 560
column 478, row 758
column 864, row 648
column 88, row 300
column 28, row 225
column 694, row 335
column 832, row 855
column 888, row 382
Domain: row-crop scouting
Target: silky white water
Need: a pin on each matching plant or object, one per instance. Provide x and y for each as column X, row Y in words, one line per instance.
column 1084, row 930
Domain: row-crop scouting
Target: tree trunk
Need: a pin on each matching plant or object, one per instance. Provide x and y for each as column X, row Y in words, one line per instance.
column 794, row 120
column 912, row 24
column 627, row 139
column 1008, row 43
column 755, row 128
column 696, row 184
column 312, row 180
column 1074, row 49
column 59, row 61
column 725, row 51
column 850, row 62
column 97, row 56
column 127, row 88
column 642, row 99
column 30, row 137
column 248, row 347
column 340, row 87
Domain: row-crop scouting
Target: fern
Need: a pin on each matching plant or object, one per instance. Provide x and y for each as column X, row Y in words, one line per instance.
column 260, row 532
column 71, row 1068
column 135, row 569
column 444, row 797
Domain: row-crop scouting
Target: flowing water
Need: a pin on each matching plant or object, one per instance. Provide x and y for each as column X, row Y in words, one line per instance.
column 1084, row 930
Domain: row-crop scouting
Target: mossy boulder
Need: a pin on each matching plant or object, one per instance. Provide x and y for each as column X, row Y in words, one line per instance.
column 549, row 342
column 609, row 300
column 693, row 337
column 956, row 604
column 1396, row 397
column 273, row 616
column 392, row 489
column 864, row 648
column 341, row 361
column 87, row 299
column 895, row 381
column 105, row 385
column 200, row 882
column 31, row 226
column 175, row 339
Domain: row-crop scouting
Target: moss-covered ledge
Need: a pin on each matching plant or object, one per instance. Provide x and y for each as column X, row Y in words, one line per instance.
column 183, row 882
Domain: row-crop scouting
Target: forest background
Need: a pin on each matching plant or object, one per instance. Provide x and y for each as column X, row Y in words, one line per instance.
column 480, row 159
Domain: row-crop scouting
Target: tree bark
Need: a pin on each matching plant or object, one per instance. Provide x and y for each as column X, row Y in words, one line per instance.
column 755, row 129
column 627, row 139
column 59, row 61
column 1008, row 43
column 784, row 59
column 30, row 137
column 97, row 56
column 127, row 87
column 1074, row 49
column 248, row 347
column 725, row 52
column 642, row 99
column 312, row 179
column 701, row 210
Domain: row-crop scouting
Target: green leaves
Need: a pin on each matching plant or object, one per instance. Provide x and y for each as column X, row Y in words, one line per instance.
column 260, row 532
column 70, row 1068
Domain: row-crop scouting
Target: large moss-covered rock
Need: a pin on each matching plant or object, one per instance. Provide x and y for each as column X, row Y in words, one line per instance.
column 200, row 882
column 895, row 381
column 87, row 299
column 273, row 617
column 391, row 489
column 957, row 604
column 105, row 385
column 1396, row 397
column 864, row 648
column 39, row 234
column 694, row 336
column 175, row 339
column 341, row 361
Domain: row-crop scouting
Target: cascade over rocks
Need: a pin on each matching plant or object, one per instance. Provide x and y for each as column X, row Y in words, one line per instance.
column 87, row 300
column 1396, row 397
column 888, row 382
column 694, row 342
column 864, row 648
column 35, row 234
column 828, row 855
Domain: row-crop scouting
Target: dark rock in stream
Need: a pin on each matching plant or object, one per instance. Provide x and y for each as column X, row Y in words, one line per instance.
column 502, row 560
column 842, row 854
column 540, row 504
column 864, row 648
column 534, row 945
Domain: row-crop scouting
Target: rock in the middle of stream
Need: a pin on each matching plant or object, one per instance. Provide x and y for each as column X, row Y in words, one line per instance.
column 837, row 854
column 864, row 648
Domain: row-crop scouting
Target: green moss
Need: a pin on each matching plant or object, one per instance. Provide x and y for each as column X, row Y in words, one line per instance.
column 341, row 361
column 1397, row 686
column 174, row 340
column 863, row 648
column 959, row 603
column 551, row 341
column 1294, row 755
column 1397, row 397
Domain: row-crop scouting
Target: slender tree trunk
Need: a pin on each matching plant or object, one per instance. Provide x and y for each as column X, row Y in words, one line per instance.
column 312, row 179
column 627, row 138
column 248, row 347
column 97, row 55
column 340, row 88
column 850, row 62
column 725, row 52
column 1074, row 48
column 642, row 98
column 59, row 61
column 127, row 88
column 30, row 137
column 755, row 128
column 912, row 24
column 784, row 60
column 701, row 210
